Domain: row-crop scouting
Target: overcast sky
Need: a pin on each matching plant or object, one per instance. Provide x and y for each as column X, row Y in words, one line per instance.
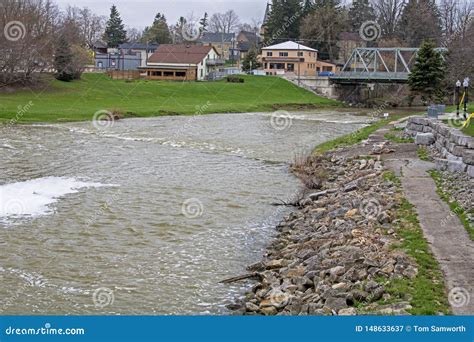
column 141, row 13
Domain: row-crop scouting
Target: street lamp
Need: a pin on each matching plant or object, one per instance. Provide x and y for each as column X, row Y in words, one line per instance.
column 466, row 98
column 457, row 96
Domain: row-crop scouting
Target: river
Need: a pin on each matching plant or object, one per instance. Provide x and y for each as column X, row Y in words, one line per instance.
column 145, row 216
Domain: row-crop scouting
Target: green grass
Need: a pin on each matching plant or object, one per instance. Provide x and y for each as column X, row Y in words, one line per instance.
column 469, row 130
column 453, row 204
column 423, row 154
column 397, row 139
column 357, row 136
column 79, row 100
column 426, row 292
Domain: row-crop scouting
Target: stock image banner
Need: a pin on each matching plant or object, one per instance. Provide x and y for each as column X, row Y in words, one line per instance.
column 265, row 170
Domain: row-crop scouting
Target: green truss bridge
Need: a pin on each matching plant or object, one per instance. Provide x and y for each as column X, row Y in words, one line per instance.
column 378, row 65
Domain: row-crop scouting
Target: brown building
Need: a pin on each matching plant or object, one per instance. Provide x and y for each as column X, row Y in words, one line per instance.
column 182, row 63
column 293, row 58
column 224, row 43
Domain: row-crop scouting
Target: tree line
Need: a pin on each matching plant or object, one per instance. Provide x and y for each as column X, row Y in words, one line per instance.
column 404, row 23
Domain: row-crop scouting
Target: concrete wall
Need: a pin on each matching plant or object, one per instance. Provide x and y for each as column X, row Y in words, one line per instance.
column 456, row 148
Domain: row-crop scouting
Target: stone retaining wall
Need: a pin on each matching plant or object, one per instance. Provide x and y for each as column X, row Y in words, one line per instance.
column 456, row 149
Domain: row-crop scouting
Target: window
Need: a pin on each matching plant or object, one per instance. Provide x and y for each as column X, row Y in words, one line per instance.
column 100, row 65
column 269, row 54
column 180, row 74
column 168, row 74
column 283, row 54
column 300, row 54
column 156, row 73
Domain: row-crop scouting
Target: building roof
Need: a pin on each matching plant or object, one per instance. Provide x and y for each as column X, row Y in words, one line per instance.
column 289, row 45
column 180, row 54
column 100, row 44
column 138, row 46
column 245, row 46
column 250, row 36
column 216, row 37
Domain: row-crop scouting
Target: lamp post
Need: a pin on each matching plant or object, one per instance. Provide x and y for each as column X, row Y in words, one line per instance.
column 457, row 97
column 466, row 98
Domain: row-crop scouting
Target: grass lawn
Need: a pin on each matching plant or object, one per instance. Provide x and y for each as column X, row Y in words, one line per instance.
column 357, row 136
column 79, row 100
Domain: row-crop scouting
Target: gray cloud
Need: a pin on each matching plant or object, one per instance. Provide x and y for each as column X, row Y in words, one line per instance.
column 141, row 13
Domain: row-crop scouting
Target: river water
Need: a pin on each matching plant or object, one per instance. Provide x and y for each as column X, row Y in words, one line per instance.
column 145, row 216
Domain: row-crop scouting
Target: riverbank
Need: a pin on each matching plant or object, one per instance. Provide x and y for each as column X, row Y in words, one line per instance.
column 355, row 244
column 79, row 100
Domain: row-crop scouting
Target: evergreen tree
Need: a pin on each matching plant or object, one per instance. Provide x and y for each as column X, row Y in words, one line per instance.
column 115, row 33
column 420, row 20
column 204, row 22
column 426, row 77
column 250, row 61
column 63, row 59
column 159, row 32
column 360, row 12
column 284, row 21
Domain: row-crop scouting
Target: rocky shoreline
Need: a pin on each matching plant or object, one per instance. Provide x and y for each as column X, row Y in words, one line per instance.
column 335, row 253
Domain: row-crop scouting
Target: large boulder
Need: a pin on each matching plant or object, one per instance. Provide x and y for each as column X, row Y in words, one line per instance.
column 424, row 139
column 456, row 166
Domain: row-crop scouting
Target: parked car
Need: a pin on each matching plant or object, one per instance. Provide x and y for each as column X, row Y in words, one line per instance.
column 325, row 73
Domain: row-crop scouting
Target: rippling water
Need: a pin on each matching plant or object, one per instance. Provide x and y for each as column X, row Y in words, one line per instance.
column 148, row 215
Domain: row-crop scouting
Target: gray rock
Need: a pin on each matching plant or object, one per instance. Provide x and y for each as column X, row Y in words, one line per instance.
column 470, row 171
column 424, row 139
column 468, row 156
column 335, row 303
column 456, row 166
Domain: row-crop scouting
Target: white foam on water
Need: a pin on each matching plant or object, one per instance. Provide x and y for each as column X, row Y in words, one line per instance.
column 34, row 197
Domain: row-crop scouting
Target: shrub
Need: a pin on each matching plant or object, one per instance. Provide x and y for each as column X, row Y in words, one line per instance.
column 235, row 79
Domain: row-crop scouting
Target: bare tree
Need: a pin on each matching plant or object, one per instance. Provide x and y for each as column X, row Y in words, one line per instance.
column 90, row 25
column 224, row 22
column 388, row 14
column 27, row 45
